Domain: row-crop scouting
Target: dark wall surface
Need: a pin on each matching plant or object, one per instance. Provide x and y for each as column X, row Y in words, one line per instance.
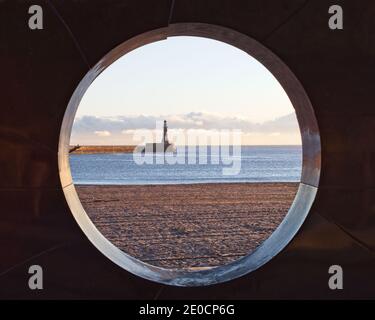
column 40, row 70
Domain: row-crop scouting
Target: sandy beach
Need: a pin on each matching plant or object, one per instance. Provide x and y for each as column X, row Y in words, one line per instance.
column 188, row 226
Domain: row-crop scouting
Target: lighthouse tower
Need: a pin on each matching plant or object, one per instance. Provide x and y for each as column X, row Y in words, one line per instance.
column 163, row 146
column 165, row 133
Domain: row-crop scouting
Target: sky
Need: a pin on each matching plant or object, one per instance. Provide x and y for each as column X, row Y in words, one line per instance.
column 194, row 83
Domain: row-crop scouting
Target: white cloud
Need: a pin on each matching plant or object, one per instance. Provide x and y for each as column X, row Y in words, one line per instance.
column 121, row 129
column 193, row 120
column 102, row 133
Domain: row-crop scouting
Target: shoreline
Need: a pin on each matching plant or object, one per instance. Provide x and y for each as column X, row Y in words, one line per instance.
column 185, row 184
column 188, row 226
column 114, row 149
column 110, row 149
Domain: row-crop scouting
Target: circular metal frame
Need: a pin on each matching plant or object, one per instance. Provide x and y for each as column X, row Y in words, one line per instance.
column 297, row 212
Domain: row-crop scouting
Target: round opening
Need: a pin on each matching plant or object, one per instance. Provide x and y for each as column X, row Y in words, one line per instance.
column 233, row 160
column 172, row 274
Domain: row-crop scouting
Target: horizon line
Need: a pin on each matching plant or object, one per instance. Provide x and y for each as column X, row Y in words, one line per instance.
column 187, row 145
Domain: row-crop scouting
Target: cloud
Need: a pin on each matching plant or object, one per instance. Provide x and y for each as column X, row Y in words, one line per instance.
column 193, row 120
column 123, row 129
column 102, row 133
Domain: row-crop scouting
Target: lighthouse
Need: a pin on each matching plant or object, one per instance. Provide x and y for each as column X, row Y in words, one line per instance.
column 165, row 133
column 163, row 146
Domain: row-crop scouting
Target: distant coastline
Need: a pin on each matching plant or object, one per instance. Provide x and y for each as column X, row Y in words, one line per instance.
column 101, row 149
column 108, row 149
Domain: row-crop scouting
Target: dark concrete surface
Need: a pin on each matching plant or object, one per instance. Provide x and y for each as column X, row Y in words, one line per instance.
column 41, row 69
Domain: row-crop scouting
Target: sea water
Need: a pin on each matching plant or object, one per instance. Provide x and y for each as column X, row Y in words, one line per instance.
column 257, row 164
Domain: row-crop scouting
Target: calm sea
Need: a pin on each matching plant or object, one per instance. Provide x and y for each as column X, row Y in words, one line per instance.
column 255, row 164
